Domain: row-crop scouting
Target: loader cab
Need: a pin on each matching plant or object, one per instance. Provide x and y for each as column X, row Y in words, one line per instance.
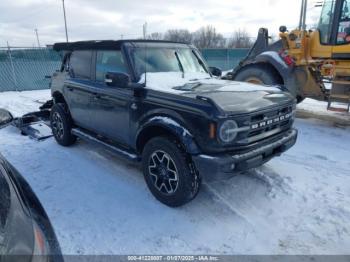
column 334, row 25
column 332, row 37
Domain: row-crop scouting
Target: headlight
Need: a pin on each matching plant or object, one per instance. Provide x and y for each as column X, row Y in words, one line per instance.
column 228, row 131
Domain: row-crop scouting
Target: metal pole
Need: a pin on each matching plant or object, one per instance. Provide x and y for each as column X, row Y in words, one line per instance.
column 304, row 20
column 65, row 20
column 301, row 15
column 37, row 36
column 12, row 67
column 227, row 59
column 145, row 30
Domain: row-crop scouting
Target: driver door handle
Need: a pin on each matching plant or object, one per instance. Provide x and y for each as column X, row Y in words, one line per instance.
column 101, row 98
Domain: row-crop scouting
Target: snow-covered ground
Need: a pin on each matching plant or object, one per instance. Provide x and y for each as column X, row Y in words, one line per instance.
column 19, row 103
column 98, row 204
column 311, row 107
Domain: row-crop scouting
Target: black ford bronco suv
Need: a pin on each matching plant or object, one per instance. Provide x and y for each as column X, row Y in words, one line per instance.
column 159, row 103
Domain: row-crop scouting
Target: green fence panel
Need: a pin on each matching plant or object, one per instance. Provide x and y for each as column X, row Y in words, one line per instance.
column 225, row 59
column 25, row 69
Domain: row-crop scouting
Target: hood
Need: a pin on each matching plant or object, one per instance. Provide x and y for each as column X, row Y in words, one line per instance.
column 229, row 96
column 241, row 98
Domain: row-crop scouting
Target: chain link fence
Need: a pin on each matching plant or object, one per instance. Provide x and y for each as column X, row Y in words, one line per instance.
column 225, row 59
column 26, row 68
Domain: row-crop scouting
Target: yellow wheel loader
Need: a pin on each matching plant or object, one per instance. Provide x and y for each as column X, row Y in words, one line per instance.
column 309, row 63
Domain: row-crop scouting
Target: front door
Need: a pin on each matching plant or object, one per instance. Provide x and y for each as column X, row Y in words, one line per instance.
column 111, row 105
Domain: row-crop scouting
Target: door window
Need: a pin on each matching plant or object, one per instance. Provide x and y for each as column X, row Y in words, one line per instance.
column 109, row 61
column 80, row 64
column 344, row 24
column 326, row 20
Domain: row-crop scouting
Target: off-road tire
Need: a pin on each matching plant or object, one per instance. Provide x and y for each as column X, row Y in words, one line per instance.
column 61, row 125
column 188, row 180
column 262, row 73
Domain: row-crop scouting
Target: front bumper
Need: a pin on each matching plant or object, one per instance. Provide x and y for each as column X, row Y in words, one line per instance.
column 223, row 166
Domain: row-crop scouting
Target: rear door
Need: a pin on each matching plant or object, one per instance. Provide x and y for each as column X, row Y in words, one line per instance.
column 77, row 88
column 111, row 105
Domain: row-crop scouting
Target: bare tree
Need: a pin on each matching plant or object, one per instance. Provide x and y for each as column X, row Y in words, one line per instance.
column 178, row 35
column 240, row 39
column 155, row 36
column 207, row 37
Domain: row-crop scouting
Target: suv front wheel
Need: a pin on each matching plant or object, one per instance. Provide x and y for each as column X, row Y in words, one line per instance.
column 61, row 125
column 169, row 173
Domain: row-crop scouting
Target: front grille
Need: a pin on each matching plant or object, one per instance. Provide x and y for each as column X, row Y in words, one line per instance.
column 271, row 120
column 265, row 124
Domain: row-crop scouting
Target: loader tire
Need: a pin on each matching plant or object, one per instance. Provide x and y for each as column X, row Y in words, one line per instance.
column 262, row 75
column 61, row 125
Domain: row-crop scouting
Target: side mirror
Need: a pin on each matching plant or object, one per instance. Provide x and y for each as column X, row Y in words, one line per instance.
column 215, row 71
column 117, row 79
column 283, row 29
column 5, row 117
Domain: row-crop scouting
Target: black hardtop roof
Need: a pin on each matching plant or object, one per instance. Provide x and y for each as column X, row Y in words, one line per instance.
column 106, row 44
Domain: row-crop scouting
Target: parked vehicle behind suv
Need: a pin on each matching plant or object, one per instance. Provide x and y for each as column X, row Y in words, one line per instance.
column 26, row 233
column 159, row 103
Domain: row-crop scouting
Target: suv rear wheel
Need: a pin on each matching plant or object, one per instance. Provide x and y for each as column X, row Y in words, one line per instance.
column 61, row 125
column 169, row 174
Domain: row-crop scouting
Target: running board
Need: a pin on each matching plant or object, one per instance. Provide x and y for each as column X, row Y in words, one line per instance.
column 91, row 138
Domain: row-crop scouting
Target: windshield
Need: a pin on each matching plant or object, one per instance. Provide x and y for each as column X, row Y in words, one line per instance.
column 325, row 24
column 157, row 60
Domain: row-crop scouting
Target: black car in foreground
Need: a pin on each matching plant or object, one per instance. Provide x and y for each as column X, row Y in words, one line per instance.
column 26, row 233
column 159, row 103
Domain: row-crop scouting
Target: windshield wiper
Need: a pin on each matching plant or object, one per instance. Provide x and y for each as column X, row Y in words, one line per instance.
column 200, row 61
column 180, row 64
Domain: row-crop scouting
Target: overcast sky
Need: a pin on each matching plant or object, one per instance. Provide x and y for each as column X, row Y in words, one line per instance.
column 109, row 19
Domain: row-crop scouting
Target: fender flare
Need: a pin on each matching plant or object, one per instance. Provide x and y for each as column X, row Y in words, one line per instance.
column 274, row 59
column 288, row 74
column 174, row 127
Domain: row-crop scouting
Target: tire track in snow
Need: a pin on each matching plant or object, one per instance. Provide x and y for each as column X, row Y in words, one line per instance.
column 307, row 160
column 224, row 201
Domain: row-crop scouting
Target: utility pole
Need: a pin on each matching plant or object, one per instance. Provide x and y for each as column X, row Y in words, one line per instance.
column 37, row 36
column 121, row 36
column 65, row 20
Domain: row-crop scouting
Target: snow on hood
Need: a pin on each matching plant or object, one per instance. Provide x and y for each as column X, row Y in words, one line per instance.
column 170, row 82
